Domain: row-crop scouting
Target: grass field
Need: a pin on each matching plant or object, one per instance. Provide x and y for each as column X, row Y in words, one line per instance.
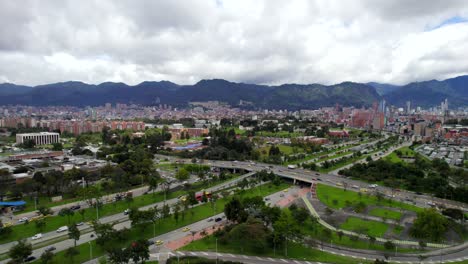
column 327, row 194
column 295, row 251
column 406, row 152
column 315, row 231
column 199, row 213
column 285, row 149
column 384, row 213
column 372, row 228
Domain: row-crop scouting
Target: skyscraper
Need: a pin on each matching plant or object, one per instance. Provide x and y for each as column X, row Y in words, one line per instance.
column 408, row 107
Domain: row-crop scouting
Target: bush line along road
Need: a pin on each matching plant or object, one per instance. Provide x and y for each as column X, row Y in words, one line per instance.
column 301, row 175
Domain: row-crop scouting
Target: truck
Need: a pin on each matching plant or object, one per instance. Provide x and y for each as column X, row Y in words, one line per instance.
column 292, row 167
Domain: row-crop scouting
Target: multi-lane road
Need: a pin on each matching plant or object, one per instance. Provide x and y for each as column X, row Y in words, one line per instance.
column 297, row 175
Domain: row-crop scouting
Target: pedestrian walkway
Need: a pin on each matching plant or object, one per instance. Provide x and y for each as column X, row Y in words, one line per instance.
column 350, row 233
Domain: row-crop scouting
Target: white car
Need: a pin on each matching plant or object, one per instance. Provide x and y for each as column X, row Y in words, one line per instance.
column 23, row 219
column 37, row 236
column 62, row 229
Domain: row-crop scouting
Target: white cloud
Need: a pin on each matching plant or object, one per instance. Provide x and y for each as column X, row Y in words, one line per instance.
column 240, row 40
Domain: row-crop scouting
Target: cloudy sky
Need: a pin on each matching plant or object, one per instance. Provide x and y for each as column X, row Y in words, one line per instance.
column 268, row 42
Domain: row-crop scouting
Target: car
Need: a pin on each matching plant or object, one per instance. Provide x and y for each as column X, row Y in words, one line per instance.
column 51, row 248
column 318, row 179
column 338, row 184
column 355, row 187
column 62, row 229
column 75, row 207
column 267, row 198
column 185, row 229
column 419, row 193
column 36, row 236
column 29, row 259
column 210, row 220
column 281, row 195
column 23, row 219
column 318, row 174
column 159, row 242
column 126, row 212
column 79, row 224
column 218, row 219
column 286, row 190
column 397, row 190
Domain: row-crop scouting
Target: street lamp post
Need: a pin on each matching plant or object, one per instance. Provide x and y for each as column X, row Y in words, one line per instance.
column 90, row 251
column 216, row 250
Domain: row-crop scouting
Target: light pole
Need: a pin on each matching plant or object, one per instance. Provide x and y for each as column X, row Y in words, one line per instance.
column 90, row 251
column 216, row 250
column 97, row 211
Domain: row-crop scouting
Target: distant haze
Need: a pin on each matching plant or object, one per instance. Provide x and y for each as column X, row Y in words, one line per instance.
column 262, row 42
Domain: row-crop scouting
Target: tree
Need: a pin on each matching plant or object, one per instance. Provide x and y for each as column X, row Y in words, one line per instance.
column 176, row 213
column 182, row 174
column 71, row 253
column 118, row 255
column 57, row 146
column 139, row 251
column 389, row 245
column 45, row 210
column 234, row 210
column 165, row 211
column 66, row 212
column 46, row 257
column 28, row 144
column 340, row 234
column 40, row 224
column 74, row 233
column 429, row 224
column 153, row 184
column 286, row 227
column 20, row 251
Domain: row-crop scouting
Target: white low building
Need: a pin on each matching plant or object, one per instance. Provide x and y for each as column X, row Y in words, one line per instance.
column 41, row 138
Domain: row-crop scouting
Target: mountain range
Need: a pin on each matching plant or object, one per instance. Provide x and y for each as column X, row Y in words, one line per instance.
column 286, row 96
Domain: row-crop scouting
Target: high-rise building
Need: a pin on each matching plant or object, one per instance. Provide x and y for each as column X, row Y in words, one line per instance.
column 408, row 107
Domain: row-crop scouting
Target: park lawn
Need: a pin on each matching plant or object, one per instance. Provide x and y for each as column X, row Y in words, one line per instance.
column 326, row 194
column 193, row 215
column 295, row 251
column 371, row 228
column 384, row 213
column 407, row 152
column 393, row 157
column 316, row 230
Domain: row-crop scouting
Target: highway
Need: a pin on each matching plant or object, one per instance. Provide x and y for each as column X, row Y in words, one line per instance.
column 120, row 217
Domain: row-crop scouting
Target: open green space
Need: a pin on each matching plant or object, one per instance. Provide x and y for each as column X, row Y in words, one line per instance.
column 195, row 214
column 339, row 198
column 294, row 251
column 315, row 230
column 405, row 152
column 385, row 213
column 368, row 227
column 285, row 149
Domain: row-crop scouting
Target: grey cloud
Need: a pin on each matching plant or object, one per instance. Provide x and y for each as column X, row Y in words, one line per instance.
column 240, row 40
